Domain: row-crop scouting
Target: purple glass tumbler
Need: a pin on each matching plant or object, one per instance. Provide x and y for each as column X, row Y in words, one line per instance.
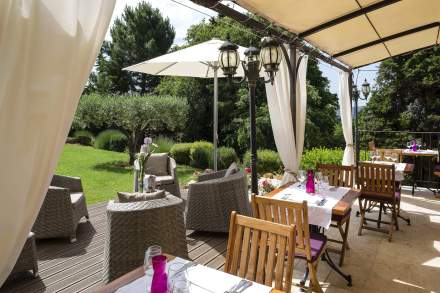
column 310, row 184
column 414, row 145
column 159, row 283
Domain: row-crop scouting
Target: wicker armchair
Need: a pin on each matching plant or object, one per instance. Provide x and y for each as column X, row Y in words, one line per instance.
column 169, row 182
column 62, row 209
column 133, row 227
column 212, row 199
column 28, row 257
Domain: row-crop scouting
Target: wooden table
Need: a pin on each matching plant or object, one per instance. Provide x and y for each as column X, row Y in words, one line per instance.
column 340, row 209
column 136, row 274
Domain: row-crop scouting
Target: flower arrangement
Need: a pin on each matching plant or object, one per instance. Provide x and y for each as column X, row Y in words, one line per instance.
column 142, row 157
column 265, row 186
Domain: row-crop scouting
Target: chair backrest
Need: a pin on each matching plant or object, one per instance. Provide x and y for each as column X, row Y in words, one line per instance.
column 342, row 176
column 261, row 251
column 286, row 213
column 385, row 154
column 376, row 179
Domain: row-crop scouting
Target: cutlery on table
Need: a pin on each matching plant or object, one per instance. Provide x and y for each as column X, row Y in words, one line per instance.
column 247, row 285
column 184, row 267
column 234, row 289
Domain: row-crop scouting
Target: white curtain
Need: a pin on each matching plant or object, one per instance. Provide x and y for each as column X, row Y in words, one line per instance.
column 346, row 118
column 278, row 100
column 47, row 50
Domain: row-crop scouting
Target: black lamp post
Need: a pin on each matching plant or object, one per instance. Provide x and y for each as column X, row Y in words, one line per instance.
column 270, row 58
column 365, row 88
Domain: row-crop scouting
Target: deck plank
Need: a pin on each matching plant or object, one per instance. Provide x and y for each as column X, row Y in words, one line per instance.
column 77, row 267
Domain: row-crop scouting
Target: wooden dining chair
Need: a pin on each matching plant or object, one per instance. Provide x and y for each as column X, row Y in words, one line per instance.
column 378, row 186
column 340, row 176
column 257, row 251
column 309, row 246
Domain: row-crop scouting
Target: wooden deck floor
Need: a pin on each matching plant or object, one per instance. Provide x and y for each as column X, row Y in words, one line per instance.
column 77, row 267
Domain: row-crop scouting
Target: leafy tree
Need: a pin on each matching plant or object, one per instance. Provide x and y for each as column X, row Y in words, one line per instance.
column 233, row 99
column 141, row 33
column 136, row 116
column 406, row 96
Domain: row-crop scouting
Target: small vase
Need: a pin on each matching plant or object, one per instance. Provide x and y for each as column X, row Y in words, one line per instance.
column 159, row 284
column 310, row 184
column 414, row 146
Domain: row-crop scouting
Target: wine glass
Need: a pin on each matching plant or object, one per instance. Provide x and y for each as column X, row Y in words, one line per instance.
column 152, row 251
column 395, row 157
column 325, row 182
column 301, row 176
column 387, row 156
column 318, row 178
column 180, row 286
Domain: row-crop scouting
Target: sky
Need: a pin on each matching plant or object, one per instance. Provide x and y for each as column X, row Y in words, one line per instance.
column 183, row 15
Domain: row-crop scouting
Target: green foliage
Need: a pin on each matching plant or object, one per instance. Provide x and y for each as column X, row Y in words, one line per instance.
column 226, row 156
column 84, row 137
column 200, row 154
column 314, row 156
column 164, row 144
column 111, row 140
column 135, row 115
column 406, row 97
column 141, row 33
column 268, row 161
column 181, row 152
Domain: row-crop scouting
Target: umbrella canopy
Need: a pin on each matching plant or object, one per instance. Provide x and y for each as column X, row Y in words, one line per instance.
column 195, row 61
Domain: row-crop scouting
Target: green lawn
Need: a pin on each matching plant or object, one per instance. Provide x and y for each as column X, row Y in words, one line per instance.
column 103, row 173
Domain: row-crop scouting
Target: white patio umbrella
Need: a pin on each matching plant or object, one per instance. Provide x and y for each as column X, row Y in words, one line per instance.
column 196, row 61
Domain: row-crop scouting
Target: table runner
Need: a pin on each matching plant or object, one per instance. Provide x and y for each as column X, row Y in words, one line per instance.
column 422, row 152
column 202, row 280
column 318, row 215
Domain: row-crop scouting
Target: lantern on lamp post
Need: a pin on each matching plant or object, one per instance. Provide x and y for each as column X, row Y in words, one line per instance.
column 366, row 89
column 270, row 58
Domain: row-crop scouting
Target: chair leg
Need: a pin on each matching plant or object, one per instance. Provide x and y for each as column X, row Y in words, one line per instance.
column 379, row 219
column 344, row 235
column 314, row 283
column 393, row 222
column 362, row 212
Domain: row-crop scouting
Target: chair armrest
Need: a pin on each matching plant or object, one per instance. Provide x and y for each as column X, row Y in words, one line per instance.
column 72, row 183
column 210, row 176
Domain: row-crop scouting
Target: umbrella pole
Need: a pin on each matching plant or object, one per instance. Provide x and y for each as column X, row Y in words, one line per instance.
column 215, row 67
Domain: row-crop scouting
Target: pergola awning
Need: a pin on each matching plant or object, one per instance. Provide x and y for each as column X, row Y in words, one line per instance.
column 356, row 32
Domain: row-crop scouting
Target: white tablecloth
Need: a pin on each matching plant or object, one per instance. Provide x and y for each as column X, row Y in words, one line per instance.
column 318, row 215
column 202, row 280
column 421, row 152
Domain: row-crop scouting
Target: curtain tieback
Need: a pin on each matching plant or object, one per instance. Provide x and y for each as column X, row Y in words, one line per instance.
column 350, row 145
column 290, row 172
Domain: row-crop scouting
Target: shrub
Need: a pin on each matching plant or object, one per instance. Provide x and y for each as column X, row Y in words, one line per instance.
column 315, row 156
column 226, row 156
column 164, row 144
column 268, row 161
column 200, row 154
column 181, row 152
column 84, row 137
column 111, row 140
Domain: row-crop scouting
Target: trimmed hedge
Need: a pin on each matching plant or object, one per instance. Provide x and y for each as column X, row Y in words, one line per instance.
column 200, row 154
column 268, row 161
column 111, row 140
column 314, row 156
column 84, row 137
column 226, row 156
column 181, row 153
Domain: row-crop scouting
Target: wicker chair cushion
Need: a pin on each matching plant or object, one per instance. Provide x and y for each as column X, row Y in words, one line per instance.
column 164, row 180
column 75, row 197
column 317, row 244
column 157, row 164
column 231, row 170
column 137, row 196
